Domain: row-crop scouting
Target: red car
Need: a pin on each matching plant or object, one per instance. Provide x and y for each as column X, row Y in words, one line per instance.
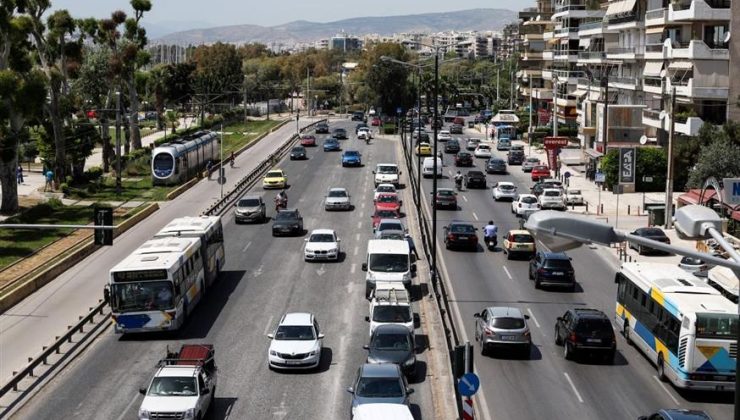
column 388, row 201
column 540, row 172
column 384, row 214
column 375, row 121
column 308, row 140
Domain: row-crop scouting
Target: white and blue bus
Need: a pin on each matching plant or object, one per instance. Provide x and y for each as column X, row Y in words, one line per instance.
column 157, row 286
column 684, row 326
column 210, row 231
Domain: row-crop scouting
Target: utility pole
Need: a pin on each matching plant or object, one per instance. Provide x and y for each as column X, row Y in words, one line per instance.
column 512, row 85
column 308, row 91
column 245, row 103
column 118, row 142
column 221, row 170
column 669, row 178
column 530, row 130
column 434, row 177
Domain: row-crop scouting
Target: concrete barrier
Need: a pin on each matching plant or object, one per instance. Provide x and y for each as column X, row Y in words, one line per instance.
column 182, row 188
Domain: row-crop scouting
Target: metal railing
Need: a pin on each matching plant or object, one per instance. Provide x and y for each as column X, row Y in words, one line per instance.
column 566, row 74
column 654, row 48
column 591, row 55
column 656, row 13
column 591, row 25
column 625, row 80
column 625, row 50
column 568, row 7
column 569, row 29
column 631, row 17
column 651, row 113
column 652, row 81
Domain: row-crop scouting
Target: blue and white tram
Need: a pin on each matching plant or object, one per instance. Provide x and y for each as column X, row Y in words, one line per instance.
column 177, row 161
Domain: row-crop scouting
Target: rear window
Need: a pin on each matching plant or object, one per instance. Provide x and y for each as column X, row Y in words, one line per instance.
column 574, row 192
column 552, row 193
column 540, row 168
column 507, row 323
column 529, row 200
column 523, row 238
column 506, row 187
column 462, row 229
column 593, row 324
column 558, row 264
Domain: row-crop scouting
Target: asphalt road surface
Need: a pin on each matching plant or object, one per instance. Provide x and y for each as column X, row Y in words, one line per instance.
column 264, row 277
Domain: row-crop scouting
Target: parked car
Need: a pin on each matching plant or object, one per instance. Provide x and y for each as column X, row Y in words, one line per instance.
column 339, row 133
column 475, row 179
column 351, row 158
column 375, row 122
column 443, row 135
column 337, row 199
column 552, row 269
column 552, row 198
column 296, row 342
column 530, row 163
column 502, row 326
column 483, row 151
column 298, row 153
column 463, row 158
column 496, row 166
column 584, row 330
column 540, row 172
column 452, row 146
column 331, row 145
column 694, row 266
column 456, row 129
column 472, row 144
column 525, row 203
column 379, row 383
column 287, row 222
column 446, row 198
column 322, row 244
column 322, row 128
column 519, row 242
column 653, row 233
column 573, row 197
column 504, row 190
column 393, row 343
column 250, row 208
column 461, row 235
column 308, row 140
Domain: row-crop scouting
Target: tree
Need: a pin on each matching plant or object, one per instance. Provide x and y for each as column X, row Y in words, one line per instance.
column 22, row 95
column 719, row 159
column 388, row 80
column 218, row 74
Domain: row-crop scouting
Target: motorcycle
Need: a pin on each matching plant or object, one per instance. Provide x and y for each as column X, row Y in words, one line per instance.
column 281, row 204
column 458, row 184
column 491, row 242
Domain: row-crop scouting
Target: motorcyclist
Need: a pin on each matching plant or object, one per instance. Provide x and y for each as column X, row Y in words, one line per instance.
column 458, row 180
column 490, row 233
column 281, row 200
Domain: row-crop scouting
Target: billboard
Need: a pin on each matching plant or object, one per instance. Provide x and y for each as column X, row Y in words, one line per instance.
column 627, row 165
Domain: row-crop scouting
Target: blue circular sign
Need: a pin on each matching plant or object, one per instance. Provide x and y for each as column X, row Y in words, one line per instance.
column 566, row 174
column 468, row 385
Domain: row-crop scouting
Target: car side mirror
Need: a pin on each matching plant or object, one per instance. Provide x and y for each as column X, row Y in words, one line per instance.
column 364, row 266
column 305, row 239
column 366, row 347
column 142, row 391
column 413, row 268
column 526, row 316
column 409, row 391
column 476, row 315
column 270, row 336
column 321, row 336
column 339, row 239
column 560, row 318
column 350, row 390
column 373, row 172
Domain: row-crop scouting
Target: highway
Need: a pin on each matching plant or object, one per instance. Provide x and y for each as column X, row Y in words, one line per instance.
column 545, row 385
column 263, row 278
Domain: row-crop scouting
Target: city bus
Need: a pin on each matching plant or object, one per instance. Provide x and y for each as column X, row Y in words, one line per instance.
column 684, row 326
column 157, row 286
column 505, row 132
column 211, row 234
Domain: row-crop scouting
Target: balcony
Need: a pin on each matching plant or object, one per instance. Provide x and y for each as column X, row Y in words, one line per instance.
column 547, row 35
column 591, row 56
column 628, row 21
column 567, row 32
column 532, row 56
column 651, row 118
column 700, row 10
column 532, row 37
column 655, row 52
column 656, row 17
column 547, row 55
column 575, row 11
column 543, row 94
column 625, row 53
column 630, row 83
column 652, row 84
column 690, row 127
column 594, row 28
column 567, row 76
column 547, row 74
column 565, row 55
column 696, row 49
column 706, row 87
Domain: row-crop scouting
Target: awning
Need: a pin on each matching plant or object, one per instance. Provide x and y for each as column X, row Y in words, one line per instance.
column 579, row 93
column 653, row 68
column 584, row 42
column 681, row 65
column 692, row 197
column 619, row 7
column 593, row 153
column 654, row 30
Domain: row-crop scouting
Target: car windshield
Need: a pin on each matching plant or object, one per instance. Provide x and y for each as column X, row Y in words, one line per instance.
column 464, row 229
column 295, row 332
column 383, row 214
column 508, row 323
column 141, row 296
column 552, row 193
column 249, row 202
column 274, row 174
column 350, row 153
column 330, row 141
column 286, row 215
column 593, row 324
column 476, row 174
column 484, row 147
column 391, row 342
column 321, row 237
column 723, row 326
column 522, row 237
column 506, row 187
column 387, row 169
column 391, row 313
column 528, row 200
column 337, row 193
column 533, row 160
column 379, row 388
column 298, row 149
column 181, row 386
column 389, row 263
column 387, row 198
column 558, row 264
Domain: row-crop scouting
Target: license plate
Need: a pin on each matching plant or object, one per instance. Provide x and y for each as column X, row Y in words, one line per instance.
column 293, row 362
column 593, row 340
column 508, row 337
column 522, row 246
column 462, row 238
column 720, row 378
column 557, row 273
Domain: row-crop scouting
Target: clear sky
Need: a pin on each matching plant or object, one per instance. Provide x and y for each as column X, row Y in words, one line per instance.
column 189, row 14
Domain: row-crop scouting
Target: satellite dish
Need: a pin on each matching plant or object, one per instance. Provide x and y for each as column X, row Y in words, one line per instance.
column 643, row 140
column 663, row 115
column 727, row 37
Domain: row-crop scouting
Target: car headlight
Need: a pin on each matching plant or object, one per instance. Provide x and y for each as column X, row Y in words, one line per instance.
column 370, row 276
column 407, row 276
column 143, row 414
column 189, row 413
column 410, row 362
column 313, row 353
column 273, row 353
column 296, row 226
column 333, row 250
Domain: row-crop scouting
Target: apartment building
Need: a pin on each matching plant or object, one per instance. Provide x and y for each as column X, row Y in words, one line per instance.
column 533, row 88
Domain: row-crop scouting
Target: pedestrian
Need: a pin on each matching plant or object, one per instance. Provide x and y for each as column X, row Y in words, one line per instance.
column 231, row 160
column 19, row 174
column 412, row 247
column 209, row 167
column 49, row 175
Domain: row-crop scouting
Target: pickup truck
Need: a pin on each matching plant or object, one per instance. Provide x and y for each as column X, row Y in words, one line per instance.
column 390, row 304
column 183, row 386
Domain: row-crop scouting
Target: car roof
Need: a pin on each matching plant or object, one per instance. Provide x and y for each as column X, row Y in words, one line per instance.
column 684, row 414
column 475, row 172
column 544, row 190
column 391, row 329
column 505, row 183
column 461, row 222
column 505, row 311
column 297, row 318
column 555, row 255
column 385, row 185
column 519, row 232
column 388, row 220
column 322, row 231
column 380, row 370
column 527, row 195
column 251, row 196
column 288, row 211
column 589, row 313
column 445, row 189
column 337, row 189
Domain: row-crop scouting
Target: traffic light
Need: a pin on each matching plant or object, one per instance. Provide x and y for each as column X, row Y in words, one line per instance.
column 103, row 216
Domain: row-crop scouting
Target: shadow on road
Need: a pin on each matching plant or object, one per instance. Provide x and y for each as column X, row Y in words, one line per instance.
column 222, row 407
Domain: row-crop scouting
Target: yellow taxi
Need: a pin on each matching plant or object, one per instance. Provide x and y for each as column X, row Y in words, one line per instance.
column 275, row 178
column 518, row 243
column 423, row 149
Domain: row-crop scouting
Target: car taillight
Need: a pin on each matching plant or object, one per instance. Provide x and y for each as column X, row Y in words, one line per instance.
column 541, row 271
column 475, row 238
column 451, row 237
column 573, row 337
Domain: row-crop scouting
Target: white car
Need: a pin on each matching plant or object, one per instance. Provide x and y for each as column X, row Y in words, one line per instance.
column 573, row 196
column 321, row 244
column 364, row 133
column 504, row 190
column 384, row 189
column 482, row 151
column 552, row 198
column 337, row 199
column 444, row 135
column 525, row 203
column 296, row 343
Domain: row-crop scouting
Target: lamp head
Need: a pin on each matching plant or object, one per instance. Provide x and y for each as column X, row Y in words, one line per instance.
column 562, row 231
column 694, row 221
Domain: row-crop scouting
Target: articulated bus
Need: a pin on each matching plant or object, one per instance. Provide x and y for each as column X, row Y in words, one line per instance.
column 157, row 286
column 211, row 234
column 684, row 326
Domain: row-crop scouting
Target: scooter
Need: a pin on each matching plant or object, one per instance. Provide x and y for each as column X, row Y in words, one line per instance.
column 281, row 204
column 459, row 184
column 491, row 242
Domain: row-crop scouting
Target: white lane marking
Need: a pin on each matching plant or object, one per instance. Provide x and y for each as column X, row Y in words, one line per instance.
column 531, row 315
column 475, row 216
column 267, row 327
column 662, row 385
column 125, row 410
column 246, row 246
column 572, row 385
column 359, row 225
column 362, row 206
column 357, row 236
column 357, row 250
column 465, row 198
column 362, row 213
column 506, row 270
column 352, row 268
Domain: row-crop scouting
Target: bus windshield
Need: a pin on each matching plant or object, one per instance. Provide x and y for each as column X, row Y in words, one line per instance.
column 141, row 296
column 722, row 326
column 162, row 164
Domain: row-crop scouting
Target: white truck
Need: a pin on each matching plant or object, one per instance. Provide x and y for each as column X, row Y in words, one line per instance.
column 390, row 304
column 184, row 385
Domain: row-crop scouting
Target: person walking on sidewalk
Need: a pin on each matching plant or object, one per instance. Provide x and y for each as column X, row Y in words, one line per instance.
column 49, row 175
column 19, row 174
column 231, row 160
column 209, row 168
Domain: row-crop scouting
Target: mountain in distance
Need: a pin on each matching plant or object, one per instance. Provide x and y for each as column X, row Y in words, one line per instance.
column 304, row 31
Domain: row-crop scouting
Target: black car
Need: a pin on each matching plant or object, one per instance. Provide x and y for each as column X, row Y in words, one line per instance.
column 461, row 235
column 452, row 146
column 287, row 222
column 298, row 152
column 540, row 186
column 475, row 179
column 583, row 330
column 552, row 269
column 656, row 234
column 515, row 157
column 393, row 343
column 464, row 159
column 358, row 116
column 322, row 128
column 496, row 166
column 456, row 129
column 339, row 133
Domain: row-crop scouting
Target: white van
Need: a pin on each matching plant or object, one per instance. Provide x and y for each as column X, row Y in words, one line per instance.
column 427, row 167
column 387, row 173
column 387, row 260
column 390, row 304
column 382, row 411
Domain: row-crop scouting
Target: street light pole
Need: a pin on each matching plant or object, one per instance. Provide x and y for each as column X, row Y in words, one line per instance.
column 669, row 178
column 555, row 108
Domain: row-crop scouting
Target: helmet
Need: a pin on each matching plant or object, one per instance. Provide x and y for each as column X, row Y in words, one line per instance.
column 490, row 222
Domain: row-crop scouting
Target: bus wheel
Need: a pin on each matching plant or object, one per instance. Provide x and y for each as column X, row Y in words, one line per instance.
column 661, row 368
column 626, row 333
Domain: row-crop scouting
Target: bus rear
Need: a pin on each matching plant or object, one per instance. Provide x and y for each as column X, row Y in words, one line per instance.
column 707, row 349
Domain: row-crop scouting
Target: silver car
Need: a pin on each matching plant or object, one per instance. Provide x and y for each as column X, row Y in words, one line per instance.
column 337, row 199
column 502, row 326
column 530, row 163
column 250, row 208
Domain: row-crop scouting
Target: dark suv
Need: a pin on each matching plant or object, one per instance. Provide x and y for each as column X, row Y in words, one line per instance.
column 515, row 157
column 287, row 222
column 475, row 179
column 464, row 159
column 393, row 343
column 452, row 146
column 582, row 330
column 552, row 269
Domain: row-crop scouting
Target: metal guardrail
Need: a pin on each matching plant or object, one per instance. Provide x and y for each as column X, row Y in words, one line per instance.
column 216, row 208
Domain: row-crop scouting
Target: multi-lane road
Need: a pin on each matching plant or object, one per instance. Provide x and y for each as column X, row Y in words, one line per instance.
column 264, row 277
column 545, row 385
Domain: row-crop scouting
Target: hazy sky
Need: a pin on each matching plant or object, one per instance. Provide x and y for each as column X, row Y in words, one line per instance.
column 198, row 13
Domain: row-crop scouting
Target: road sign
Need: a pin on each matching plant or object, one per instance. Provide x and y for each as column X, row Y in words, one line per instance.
column 399, row 110
column 468, row 384
column 627, row 165
column 731, row 191
column 103, row 216
column 647, row 179
column 600, row 177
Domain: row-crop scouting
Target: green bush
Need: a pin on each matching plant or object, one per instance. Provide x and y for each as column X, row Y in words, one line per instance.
column 54, row 202
column 64, row 187
column 94, row 174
